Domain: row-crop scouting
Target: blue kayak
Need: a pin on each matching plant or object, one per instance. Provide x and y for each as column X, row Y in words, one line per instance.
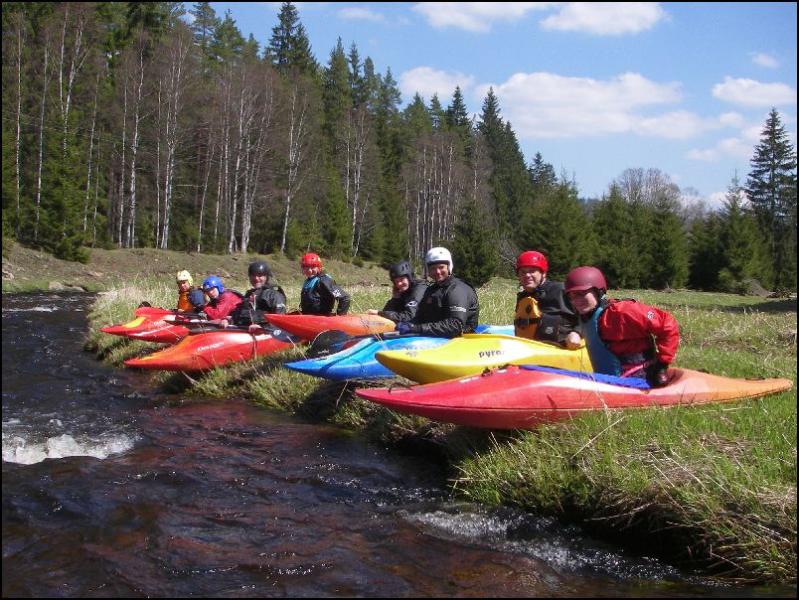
column 359, row 362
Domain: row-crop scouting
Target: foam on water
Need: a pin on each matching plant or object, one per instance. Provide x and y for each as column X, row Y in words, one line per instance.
column 18, row 449
column 540, row 538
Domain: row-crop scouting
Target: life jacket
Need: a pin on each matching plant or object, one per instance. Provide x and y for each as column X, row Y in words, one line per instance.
column 183, row 301
column 528, row 315
column 602, row 359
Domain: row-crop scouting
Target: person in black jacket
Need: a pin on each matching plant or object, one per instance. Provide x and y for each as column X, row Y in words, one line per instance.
column 319, row 292
column 407, row 294
column 262, row 299
column 449, row 307
column 543, row 312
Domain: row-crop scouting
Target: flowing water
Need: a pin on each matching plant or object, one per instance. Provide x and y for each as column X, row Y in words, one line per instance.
column 113, row 488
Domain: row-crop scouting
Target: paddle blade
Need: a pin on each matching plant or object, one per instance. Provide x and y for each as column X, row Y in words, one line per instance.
column 327, row 343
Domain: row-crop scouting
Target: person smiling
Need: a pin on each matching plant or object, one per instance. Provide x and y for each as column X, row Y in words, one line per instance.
column 449, row 307
column 406, row 295
column 542, row 310
column 624, row 337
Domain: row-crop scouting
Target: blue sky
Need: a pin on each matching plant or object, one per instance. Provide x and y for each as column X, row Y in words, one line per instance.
column 595, row 87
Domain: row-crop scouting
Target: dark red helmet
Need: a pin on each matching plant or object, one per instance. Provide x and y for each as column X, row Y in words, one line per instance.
column 585, row 278
column 531, row 258
column 311, row 260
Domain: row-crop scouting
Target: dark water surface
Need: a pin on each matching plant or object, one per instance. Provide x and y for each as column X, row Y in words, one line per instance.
column 112, row 488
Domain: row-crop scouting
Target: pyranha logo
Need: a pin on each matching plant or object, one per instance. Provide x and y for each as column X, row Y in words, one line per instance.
column 490, row 353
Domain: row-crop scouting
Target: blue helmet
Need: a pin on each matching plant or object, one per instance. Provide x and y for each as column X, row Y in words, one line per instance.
column 213, row 282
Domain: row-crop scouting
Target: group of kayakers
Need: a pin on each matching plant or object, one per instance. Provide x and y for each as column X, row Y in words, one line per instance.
column 623, row 337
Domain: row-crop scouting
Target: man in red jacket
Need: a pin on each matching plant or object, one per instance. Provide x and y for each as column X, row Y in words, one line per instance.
column 624, row 337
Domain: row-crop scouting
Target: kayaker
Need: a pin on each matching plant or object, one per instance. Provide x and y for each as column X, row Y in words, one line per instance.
column 543, row 311
column 624, row 337
column 262, row 299
column 449, row 307
column 221, row 302
column 185, row 283
column 319, row 292
column 406, row 295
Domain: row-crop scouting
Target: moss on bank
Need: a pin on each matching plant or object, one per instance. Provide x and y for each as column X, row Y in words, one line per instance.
column 714, row 486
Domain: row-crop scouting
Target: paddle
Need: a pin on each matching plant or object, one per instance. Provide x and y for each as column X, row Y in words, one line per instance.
column 334, row 340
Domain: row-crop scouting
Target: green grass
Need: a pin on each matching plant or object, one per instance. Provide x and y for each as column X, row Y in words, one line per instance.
column 714, row 485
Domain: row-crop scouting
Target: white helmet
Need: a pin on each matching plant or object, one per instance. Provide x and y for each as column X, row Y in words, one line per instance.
column 438, row 255
column 184, row 276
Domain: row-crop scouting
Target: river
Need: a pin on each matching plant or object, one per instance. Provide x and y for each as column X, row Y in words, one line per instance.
column 112, row 487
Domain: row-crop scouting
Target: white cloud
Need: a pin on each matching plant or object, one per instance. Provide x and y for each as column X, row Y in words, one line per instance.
column 428, row 81
column 545, row 105
column 475, row 16
column 764, row 60
column 715, row 200
column 606, row 18
column 740, row 147
column 748, row 92
column 360, row 14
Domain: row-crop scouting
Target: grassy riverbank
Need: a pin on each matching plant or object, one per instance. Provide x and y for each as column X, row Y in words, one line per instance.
column 711, row 486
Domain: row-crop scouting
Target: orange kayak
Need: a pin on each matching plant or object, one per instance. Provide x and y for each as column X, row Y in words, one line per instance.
column 308, row 327
column 206, row 351
column 524, row 397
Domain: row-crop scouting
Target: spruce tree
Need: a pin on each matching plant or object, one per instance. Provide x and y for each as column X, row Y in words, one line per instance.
column 557, row 225
column 771, row 187
column 289, row 47
column 744, row 254
column 474, row 248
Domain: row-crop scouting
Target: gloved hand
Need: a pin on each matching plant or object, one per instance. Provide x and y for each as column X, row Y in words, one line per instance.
column 144, row 304
column 404, row 327
column 657, row 374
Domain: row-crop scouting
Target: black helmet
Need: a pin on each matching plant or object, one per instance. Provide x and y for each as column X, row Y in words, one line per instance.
column 401, row 269
column 259, row 267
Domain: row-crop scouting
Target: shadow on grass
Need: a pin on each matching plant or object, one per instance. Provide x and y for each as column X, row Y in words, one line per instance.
column 786, row 305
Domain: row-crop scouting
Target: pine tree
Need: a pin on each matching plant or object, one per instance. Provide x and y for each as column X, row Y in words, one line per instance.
column 744, row 254
column 437, row 114
column 706, row 257
column 336, row 225
column 771, row 187
column 617, row 226
column 668, row 246
column 542, row 174
column 558, row 226
column 289, row 47
column 474, row 248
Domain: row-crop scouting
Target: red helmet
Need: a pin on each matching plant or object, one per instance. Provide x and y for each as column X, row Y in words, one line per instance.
column 585, row 278
column 531, row 258
column 311, row 260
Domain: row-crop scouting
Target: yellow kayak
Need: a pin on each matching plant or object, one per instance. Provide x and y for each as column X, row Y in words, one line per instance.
column 473, row 353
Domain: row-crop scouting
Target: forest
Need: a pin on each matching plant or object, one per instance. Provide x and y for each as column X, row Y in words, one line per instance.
column 157, row 124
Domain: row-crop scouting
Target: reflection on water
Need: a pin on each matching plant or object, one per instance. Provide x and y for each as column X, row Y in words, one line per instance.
column 221, row 498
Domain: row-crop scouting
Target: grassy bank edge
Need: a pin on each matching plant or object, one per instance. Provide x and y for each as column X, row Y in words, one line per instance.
column 713, row 487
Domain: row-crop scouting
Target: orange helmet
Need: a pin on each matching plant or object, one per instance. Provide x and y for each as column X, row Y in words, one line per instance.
column 531, row 258
column 311, row 260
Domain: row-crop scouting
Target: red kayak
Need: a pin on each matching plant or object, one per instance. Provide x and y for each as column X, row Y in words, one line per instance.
column 153, row 311
column 206, row 351
column 308, row 327
column 150, row 329
column 523, row 397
